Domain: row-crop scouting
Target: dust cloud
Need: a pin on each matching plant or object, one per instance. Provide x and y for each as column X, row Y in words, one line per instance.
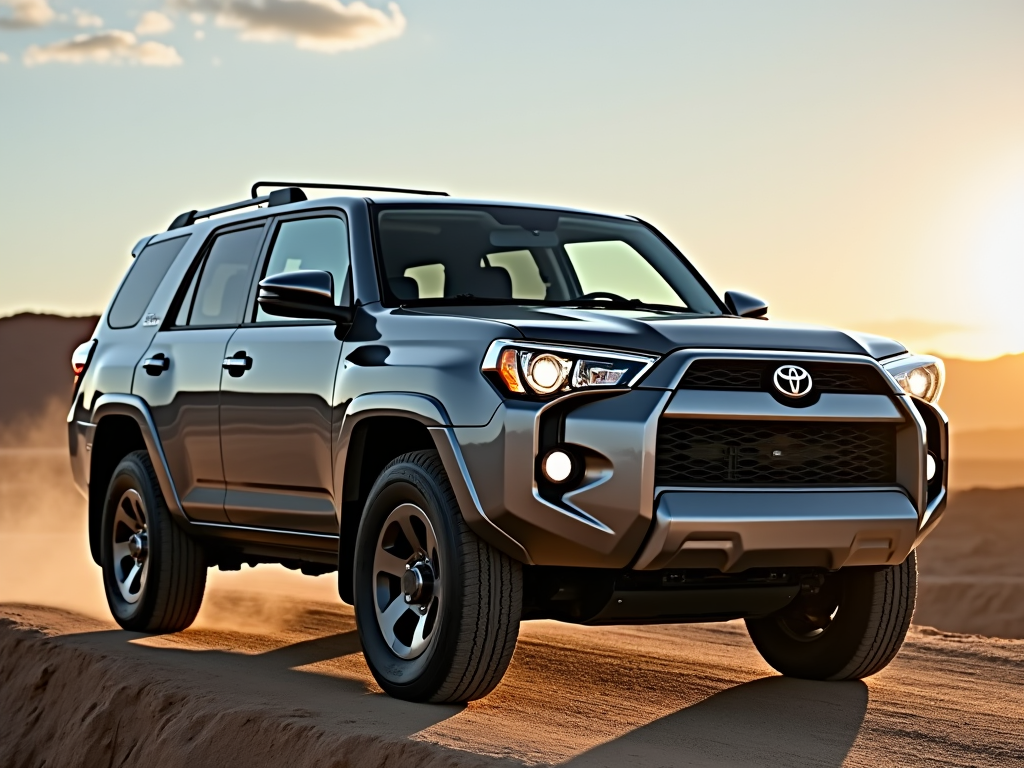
column 44, row 543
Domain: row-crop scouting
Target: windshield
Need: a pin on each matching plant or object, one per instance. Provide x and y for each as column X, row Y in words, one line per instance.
column 457, row 254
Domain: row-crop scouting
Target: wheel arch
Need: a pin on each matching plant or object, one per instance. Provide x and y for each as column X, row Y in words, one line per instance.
column 379, row 428
column 122, row 424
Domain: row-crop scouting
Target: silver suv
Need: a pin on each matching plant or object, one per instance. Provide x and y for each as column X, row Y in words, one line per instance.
column 479, row 413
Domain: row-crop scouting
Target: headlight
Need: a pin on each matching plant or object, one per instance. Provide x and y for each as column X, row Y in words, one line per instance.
column 919, row 375
column 534, row 369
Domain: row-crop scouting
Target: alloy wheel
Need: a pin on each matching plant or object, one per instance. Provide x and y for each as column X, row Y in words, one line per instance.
column 131, row 546
column 407, row 581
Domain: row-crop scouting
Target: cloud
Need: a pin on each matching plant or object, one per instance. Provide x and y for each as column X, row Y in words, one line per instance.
column 26, row 13
column 153, row 23
column 86, row 19
column 327, row 26
column 4, row 58
column 197, row 18
column 111, row 47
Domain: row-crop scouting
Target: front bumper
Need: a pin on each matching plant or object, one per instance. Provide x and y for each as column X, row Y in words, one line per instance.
column 616, row 516
column 734, row 531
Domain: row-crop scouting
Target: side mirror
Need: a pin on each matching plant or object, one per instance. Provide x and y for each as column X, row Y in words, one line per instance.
column 306, row 293
column 745, row 305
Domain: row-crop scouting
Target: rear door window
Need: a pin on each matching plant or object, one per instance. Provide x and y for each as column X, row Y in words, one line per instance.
column 139, row 287
column 220, row 289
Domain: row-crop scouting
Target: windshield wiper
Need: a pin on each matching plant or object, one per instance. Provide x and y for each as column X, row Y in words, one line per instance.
column 462, row 298
column 628, row 304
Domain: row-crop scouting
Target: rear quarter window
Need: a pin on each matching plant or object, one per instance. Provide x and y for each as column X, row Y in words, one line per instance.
column 145, row 275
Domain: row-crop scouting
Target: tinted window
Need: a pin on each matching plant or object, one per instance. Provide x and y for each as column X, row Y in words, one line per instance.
column 142, row 281
column 320, row 244
column 224, row 280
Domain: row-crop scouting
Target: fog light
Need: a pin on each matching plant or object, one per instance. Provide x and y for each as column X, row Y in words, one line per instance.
column 557, row 466
column 931, row 466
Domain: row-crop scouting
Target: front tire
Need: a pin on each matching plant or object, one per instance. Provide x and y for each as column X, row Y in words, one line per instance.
column 437, row 607
column 154, row 575
column 850, row 628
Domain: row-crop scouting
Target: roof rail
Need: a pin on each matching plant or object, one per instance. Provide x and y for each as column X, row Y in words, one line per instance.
column 278, row 197
column 318, row 185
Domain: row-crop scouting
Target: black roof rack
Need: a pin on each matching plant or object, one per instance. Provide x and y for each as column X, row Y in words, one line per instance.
column 318, row 185
column 278, row 197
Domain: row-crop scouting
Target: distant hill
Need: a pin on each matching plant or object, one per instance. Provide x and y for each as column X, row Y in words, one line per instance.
column 983, row 395
column 35, row 363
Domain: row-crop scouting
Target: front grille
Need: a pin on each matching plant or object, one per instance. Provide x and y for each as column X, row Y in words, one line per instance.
column 712, row 452
column 755, row 375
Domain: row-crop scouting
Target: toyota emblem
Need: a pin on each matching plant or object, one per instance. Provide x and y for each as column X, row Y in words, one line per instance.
column 792, row 381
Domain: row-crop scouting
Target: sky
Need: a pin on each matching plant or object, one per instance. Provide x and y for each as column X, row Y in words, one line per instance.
column 859, row 165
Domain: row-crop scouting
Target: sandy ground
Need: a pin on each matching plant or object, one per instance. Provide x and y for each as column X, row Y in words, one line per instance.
column 76, row 691
column 271, row 674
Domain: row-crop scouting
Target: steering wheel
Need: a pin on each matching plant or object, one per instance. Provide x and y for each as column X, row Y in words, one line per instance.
column 606, row 295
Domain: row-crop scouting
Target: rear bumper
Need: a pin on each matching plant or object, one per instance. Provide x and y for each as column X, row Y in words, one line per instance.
column 735, row 530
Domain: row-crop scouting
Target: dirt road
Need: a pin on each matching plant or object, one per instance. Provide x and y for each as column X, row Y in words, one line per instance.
column 77, row 691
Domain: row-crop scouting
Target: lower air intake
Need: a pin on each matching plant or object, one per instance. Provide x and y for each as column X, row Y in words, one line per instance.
column 710, row 452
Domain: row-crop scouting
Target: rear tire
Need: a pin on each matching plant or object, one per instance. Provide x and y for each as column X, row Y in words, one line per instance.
column 852, row 628
column 453, row 639
column 154, row 575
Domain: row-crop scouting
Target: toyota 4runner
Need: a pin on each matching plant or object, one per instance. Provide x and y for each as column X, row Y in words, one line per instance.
column 480, row 413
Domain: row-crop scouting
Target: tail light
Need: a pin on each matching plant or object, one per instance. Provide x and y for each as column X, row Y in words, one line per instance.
column 81, row 357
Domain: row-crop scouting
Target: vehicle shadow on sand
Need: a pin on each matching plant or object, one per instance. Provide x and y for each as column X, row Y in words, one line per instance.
column 774, row 721
column 274, row 682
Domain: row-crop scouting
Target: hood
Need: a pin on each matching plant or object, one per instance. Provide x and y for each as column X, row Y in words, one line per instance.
column 662, row 333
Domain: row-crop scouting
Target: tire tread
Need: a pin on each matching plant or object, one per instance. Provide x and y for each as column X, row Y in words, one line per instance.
column 891, row 614
column 181, row 580
column 492, row 599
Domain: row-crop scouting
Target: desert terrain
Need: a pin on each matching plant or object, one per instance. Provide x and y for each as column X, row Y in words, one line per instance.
column 271, row 673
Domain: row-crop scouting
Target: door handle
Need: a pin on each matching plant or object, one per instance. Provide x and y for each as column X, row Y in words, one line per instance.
column 156, row 364
column 237, row 364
